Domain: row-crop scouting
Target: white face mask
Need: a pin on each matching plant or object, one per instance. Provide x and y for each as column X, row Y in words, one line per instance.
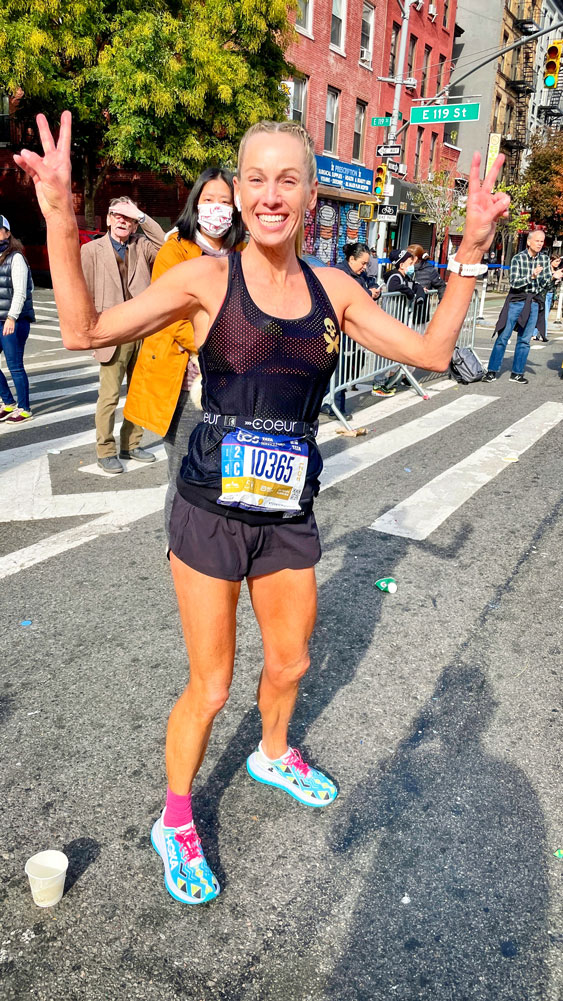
column 214, row 218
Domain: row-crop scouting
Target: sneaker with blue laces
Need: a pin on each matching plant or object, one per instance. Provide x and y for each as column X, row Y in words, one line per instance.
column 187, row 876
column 293, row 775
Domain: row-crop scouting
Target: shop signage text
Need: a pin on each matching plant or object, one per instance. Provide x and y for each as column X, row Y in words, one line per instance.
column 445, row 113
column 351, row 176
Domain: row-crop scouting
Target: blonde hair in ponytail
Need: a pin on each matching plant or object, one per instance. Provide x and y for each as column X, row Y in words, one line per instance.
column 292, row 129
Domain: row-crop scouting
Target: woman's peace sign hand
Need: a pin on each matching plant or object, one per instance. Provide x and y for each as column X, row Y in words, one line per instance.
column 51, row 173
column 484, row 208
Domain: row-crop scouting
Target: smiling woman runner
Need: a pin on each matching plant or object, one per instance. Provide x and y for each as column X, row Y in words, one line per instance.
column 267, row 328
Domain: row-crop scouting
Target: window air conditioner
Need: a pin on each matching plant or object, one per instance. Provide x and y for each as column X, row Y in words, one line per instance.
column 432, row 11
column 365, row 56
column 418, row 4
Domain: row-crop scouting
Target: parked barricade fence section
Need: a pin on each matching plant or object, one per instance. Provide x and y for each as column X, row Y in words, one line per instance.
column 359, row 368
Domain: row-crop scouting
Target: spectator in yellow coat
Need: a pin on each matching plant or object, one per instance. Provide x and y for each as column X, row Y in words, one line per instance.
column 164, row 395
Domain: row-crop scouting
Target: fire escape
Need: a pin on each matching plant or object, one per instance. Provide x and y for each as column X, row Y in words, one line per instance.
column 521, row 82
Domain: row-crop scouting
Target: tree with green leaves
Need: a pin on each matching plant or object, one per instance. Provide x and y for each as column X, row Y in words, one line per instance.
column 519, row 214
column 168, row 86
column 544, row 176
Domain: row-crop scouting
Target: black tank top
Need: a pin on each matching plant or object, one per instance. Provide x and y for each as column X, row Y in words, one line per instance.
column 257, row 365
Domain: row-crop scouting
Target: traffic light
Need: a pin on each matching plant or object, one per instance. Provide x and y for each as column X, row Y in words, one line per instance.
column 551, row 65
column 380, row 180
column 365, row 211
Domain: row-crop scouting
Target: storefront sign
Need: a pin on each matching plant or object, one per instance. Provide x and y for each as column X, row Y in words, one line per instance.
column 404, row 194
column 350, row 176
column 494, row 149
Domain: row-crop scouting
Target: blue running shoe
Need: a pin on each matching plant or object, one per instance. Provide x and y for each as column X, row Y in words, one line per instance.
column 294, row 775
column 187, row 876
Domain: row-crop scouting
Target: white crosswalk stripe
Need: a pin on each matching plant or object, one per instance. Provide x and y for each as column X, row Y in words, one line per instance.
column 341, row 467
column 25, row 471
column 424, row 511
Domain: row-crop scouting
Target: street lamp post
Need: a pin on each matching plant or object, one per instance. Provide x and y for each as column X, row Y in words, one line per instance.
column 399, row 82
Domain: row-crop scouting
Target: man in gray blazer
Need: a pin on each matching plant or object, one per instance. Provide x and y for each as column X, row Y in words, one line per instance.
column 117, row 267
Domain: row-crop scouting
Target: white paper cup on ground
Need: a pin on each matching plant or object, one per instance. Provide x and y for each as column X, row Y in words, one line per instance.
column 46, row 872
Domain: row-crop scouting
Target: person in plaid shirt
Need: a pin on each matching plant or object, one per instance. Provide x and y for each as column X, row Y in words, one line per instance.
column 531, row 275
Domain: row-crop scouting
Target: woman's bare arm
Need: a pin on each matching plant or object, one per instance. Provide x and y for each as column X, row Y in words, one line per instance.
column 172, row 297
column 368, row 324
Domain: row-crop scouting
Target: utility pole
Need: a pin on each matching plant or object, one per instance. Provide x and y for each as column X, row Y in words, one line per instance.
column 399, row 82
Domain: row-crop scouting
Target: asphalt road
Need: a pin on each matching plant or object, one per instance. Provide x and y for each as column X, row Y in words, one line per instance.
column 437, row 710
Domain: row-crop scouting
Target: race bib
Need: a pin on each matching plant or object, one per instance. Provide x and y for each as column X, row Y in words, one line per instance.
column 262, row 472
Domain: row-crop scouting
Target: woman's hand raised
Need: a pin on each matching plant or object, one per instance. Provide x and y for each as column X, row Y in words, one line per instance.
column 51, row 173
column 484, row 208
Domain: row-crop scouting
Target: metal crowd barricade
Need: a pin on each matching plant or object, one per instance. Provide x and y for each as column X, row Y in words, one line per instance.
column 357, row 367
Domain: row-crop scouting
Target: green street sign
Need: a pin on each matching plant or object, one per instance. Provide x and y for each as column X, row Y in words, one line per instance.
column 445, row 113
column 385, row 122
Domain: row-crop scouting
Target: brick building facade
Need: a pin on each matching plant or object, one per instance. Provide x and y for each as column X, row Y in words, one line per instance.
column 340, row 53
column 342, row 47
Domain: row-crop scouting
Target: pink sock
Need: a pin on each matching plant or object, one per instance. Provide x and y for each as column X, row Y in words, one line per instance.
column 178, row 810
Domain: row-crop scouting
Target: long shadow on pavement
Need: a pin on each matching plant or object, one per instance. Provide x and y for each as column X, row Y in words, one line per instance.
column 454, row 906
column 445, row 841
column 348, row 614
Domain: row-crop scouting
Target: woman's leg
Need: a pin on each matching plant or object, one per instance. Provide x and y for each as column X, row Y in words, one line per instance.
column 285, row 605
column 6, row 394
column 14, row 346
column 208, row 612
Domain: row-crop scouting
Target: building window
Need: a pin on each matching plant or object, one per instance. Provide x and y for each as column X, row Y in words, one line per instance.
column 504, row 61
column 508, row 119
column 366, row 38
column 446, row 16
column 297, row 98
column 337, row 23
column 395, row 32
column 359, row 131
column 331, row 119
column 432, row 158
column 440, row 76
column 304, row 18
column 425, row 68
column 412, row 55
column 417, row 152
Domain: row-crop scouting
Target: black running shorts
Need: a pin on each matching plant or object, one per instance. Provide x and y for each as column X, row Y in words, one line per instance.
column 229, row 549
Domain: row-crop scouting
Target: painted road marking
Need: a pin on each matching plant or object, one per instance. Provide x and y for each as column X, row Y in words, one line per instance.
column 44, row 337
column 56, row 417
column 129, row 465
column 61, row 392
column 25, row 453
column 345, row 464
column 425, row 510
column 77, row 373
column 68, row 358
column 115, row 520
column 385, row 408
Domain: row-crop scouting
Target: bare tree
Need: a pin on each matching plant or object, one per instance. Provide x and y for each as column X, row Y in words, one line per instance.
column 439, row 201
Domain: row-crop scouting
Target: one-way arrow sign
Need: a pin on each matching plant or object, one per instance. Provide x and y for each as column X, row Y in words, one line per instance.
column 388, row 150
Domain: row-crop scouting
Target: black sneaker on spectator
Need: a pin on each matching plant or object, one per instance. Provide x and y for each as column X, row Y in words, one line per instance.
column 520, row 379
column 489, row 377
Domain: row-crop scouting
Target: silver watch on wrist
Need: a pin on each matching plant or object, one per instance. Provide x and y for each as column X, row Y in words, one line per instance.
column 141, row 219
column 466, row 270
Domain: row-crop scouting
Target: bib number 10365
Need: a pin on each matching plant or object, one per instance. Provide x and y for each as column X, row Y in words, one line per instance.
column 263, row 472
